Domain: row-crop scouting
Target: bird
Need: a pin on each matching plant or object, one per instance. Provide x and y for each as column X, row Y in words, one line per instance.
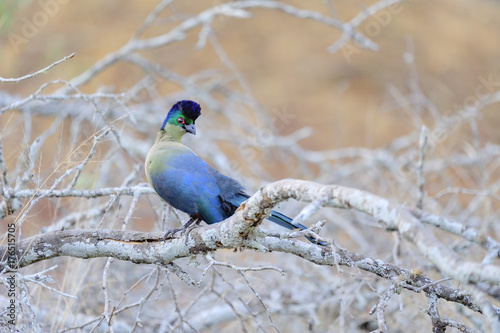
column 188, row 183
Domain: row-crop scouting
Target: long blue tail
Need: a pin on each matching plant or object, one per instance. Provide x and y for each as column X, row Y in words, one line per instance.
column 277, row 218
column 286, row 222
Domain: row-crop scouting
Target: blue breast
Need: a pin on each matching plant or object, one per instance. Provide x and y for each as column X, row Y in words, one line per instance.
column 189, row 184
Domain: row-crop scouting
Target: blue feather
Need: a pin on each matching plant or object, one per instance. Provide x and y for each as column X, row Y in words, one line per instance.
column 187, row 182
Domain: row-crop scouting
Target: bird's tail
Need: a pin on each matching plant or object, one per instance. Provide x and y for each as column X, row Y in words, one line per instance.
column 286, row 222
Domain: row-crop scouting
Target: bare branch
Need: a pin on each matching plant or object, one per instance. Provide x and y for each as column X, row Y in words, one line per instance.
column 41, row 71
column 149, row 248
column 390, row 216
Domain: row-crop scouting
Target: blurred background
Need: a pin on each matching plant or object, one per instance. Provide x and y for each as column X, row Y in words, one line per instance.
column 283, row 59
column 276, row 103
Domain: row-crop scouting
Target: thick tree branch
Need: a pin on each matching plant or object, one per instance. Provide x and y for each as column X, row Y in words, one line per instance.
column 391, row 216
column 149, row 248
column 239, row 231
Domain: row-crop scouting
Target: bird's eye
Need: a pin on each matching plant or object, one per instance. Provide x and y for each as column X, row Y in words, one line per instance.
column 181, row 121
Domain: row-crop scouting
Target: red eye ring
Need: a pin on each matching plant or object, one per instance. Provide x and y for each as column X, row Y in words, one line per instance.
column 181, row 121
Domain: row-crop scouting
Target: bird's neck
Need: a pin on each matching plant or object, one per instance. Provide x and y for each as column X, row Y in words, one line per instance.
column 170, row 133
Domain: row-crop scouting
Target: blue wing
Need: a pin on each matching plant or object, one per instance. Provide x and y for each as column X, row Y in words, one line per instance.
column 191, row 185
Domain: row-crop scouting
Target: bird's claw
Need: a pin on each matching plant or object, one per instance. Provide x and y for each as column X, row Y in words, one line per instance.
column 184, row 231
column 171, row 233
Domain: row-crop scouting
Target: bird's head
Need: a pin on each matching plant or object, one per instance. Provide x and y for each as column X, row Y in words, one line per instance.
column 181, row 117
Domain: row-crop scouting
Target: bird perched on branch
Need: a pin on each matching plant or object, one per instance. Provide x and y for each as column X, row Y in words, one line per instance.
column 187, row 182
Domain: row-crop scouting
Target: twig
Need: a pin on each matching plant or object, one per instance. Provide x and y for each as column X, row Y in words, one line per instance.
column 140, row 189
column 268, row 312
column 181, row 274
column 78, row 169
column 29, row 76
column 151, row 18
column 40, row 277
column 213, row 262
column 438, row 326
column 107, row 314
column 422, row 142
column 350, row 33
column 177, row 307
column 142, row 301
column 379, row 308
column 3, row 167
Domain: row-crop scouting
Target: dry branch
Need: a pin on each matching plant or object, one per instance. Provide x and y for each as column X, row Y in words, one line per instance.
column 239, row 231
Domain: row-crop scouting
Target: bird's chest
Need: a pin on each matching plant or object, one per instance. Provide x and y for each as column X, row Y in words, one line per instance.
column 166, row 171
column 179, row 178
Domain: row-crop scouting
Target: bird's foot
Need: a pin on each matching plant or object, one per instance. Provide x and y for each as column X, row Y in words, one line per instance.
column 184, row 231
column 193, row 222
column 187, row 230
column 171, row 233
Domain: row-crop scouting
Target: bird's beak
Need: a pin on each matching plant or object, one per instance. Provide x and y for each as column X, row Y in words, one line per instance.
column 190, row 128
